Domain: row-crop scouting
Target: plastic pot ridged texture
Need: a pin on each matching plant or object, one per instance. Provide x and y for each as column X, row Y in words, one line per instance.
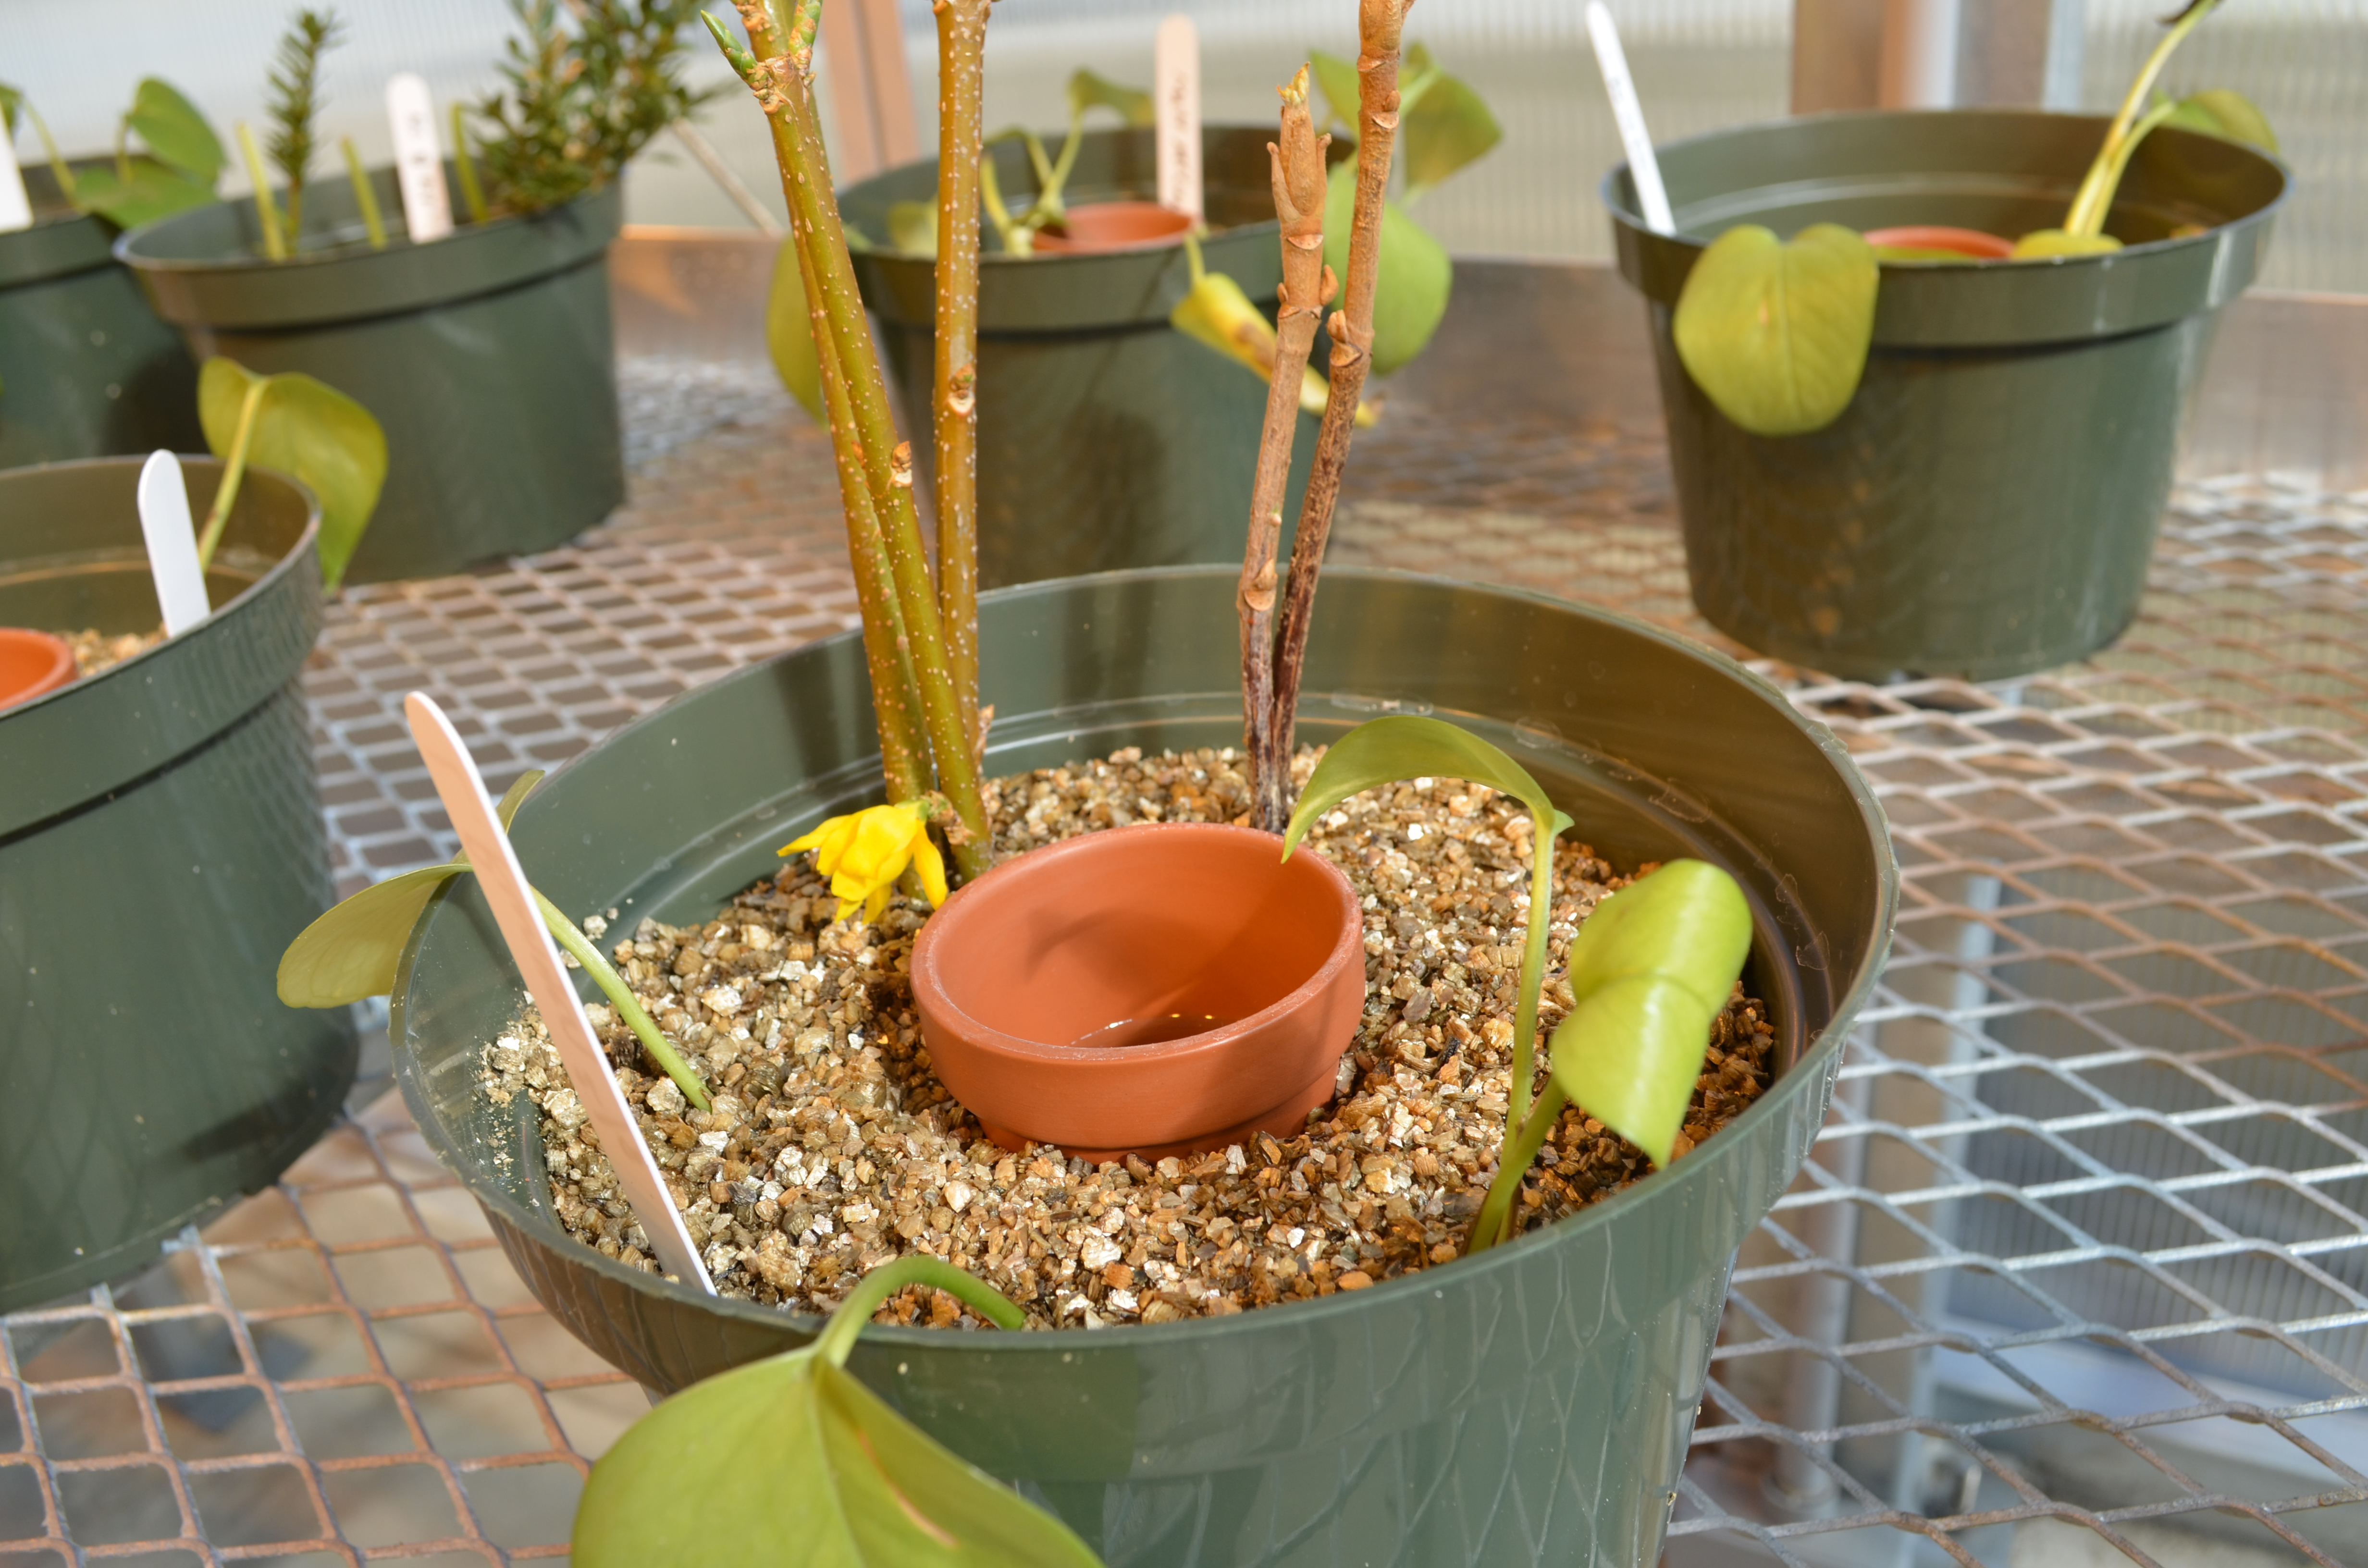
column 1106, row 437
column 1530, row 1405
column 490, row 358
column 85, row 368
column 1987, row 504
column 160, row 843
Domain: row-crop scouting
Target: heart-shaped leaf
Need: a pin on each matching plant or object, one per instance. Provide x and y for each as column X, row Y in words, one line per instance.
column 2217, row 111
column 1649, row 971
column 173, row 130
column 1414, row 279
column 154, row 190
column 790, row 1460
column 352, row 952
column 311, row 430
column 789, row 332
column 1087, row 90
column 1775, row 334
column 1338, row 78
column 1408, row 746
column 1442, row 125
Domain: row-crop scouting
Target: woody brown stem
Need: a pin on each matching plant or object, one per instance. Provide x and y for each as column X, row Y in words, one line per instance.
column 1297, row 165
column 1379, row 26
column 961, row 38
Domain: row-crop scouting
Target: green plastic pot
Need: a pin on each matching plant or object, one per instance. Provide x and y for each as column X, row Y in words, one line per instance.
column 1530, row 1405
column 160, row 843
column 85, row 368
column 1106, row 438
column 1986, row 505
column 489, row 358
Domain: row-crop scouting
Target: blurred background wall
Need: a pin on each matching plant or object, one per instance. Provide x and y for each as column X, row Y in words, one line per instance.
column 1699, row 64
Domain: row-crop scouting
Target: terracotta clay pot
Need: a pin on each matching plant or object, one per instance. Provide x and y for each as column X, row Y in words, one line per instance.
column 1970, row 244
column 1153, row 990
column 30, row 663
column 1115, row 226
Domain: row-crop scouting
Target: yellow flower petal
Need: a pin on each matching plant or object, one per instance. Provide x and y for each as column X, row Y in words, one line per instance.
column 932, row 866
column 872, row 910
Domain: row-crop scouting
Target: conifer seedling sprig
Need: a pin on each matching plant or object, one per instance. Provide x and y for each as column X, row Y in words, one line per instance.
column 295, row 82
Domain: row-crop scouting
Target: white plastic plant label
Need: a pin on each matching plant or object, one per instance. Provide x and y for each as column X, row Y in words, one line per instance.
column 1176, row 75
column 172, row 542
column 16, row 206
column 419, row 158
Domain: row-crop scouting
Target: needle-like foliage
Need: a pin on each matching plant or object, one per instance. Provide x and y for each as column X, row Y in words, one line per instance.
column 296, row 102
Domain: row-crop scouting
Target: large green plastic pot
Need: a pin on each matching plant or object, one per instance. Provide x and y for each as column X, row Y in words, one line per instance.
column 85, row 368
column 489, row 358
column 1987, row 504
column 160, row 843
column 1530, row 1405
column 1106, row 438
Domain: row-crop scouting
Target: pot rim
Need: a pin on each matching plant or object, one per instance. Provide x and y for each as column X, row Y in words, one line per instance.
column 62, row 664
column 1820, row 1057
column 987, row 1040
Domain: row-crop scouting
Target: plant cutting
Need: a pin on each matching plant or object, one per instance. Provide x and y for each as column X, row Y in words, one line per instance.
column 1820, row 390
column 487, row 355
column 180, row 160
column 300, row 426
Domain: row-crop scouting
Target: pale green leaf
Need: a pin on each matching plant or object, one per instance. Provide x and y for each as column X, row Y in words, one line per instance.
column 351, row 951
column 1649, row 971
column 1774, row 333
column 173, row 129
column 1445, row 128
column 791, row 1460
column 1087, row 90
column 1338, row 78
column 1407, row 745
column 309, row 429
column 912, row 228
column 2043, row 243
column 154, row 192
column 1215, row 310
column 10, row 99
column 2218, row 111
column 1413, row 282
column 789, row 332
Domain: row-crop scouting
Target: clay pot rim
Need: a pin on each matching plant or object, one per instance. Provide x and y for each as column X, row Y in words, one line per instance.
column 1944, row 236
column 61, row 673
column 1062, row 245
column 987, row 1040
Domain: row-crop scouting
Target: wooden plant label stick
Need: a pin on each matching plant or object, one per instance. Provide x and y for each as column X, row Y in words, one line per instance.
column 172, row 544
column 1176, row 76
column 419, row 160
column 496, row 865
column 16, row 206
column 1643, row 168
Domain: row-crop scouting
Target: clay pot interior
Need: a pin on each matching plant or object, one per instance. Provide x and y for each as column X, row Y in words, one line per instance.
column 31, row 663
column 1114, row 225
column 1156, row 989
column 1970, row 243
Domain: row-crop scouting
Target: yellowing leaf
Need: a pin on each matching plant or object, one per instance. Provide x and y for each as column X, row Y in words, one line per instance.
column 789, row 332
column 2218, row 111
column 2043, row 242
column 1384, row 751
column 1442, row 125
column 175, row 131
column 309, row 429
column 352, row 952
column 912, row 228
column 1776, row 334
column 1414, row 279
column 1649, row 971
column 1216, row 312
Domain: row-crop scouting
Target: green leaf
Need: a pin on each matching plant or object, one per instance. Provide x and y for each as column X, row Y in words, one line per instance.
column 1338, row 77
column 1405, row 745
column 2044, row 243
column 175, row 132
column 1087, row 90
column 310, row 429
column 1649, row 971
column 1776, row 334
column 10, row 98
column 913, row 227
column 154, row 192
column 2218, row 111
column 789, row 332
column 351, row 951
column 1443, row 129
column 791, row 1460
column 1415, row 279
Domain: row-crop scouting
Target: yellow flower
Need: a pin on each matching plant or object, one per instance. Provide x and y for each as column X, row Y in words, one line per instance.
column 864, row 852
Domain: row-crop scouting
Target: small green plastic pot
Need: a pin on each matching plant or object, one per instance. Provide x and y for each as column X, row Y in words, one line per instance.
column 489, row 358
column 85, row 368
column 1987, row 504
column 160, row 843
column 1530, row 1405
column 1106, row 438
